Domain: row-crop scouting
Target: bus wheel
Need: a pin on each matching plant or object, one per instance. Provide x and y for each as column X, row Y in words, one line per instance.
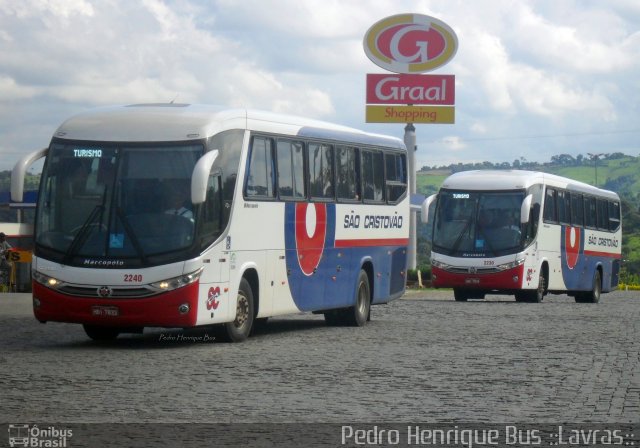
column 98, row 333
column 460, row 295
column 537, row 294
column 592, row 296
column 521, row 297
column 358, row 314
column 334, row 318
column 240, row 328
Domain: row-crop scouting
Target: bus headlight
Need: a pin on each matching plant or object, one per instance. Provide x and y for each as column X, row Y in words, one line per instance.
column 439, row 264
column 46, row 280
column 513, row 264
column 177, row 282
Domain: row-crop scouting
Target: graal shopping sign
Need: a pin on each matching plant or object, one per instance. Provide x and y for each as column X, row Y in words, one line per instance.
column 410, row 44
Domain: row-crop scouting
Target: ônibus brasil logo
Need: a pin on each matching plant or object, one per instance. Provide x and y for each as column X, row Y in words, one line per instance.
column 410, row 43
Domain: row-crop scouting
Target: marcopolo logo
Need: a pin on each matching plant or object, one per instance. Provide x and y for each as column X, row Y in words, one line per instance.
column 410, row 43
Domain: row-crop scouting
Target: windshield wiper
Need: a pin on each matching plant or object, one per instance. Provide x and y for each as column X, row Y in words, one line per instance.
column 459, row 237
column 132, row 235
column 83, row 233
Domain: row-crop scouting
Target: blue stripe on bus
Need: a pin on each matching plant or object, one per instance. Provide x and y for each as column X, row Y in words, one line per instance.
column 333, row 281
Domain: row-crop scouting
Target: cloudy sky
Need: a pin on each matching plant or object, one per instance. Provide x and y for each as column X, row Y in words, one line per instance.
column 534, row 78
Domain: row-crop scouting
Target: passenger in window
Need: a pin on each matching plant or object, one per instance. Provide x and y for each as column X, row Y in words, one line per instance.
column 179, row 203
column 485, row 219
column 508, row 221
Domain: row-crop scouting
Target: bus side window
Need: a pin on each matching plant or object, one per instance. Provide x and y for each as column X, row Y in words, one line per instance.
column 614, row 216
column 211, row 219
column 347, row 174
column 321, row 182
column 590, row 212
column 603, row 214
column 550, row 212
column 260, row 177
column 396, row 176
column 290, row 167
column 563, row 199
column 373, row 176
column 577, row 214
column 532, row 226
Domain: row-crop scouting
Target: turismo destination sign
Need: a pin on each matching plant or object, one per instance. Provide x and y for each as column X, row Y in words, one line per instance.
column 410, row 89
column 411, row 114
column 410, row 43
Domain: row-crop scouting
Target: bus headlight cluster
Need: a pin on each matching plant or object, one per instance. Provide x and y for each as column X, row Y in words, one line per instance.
column 177, row 282
column 513, row 264
column 46, row 280
column 439, row 264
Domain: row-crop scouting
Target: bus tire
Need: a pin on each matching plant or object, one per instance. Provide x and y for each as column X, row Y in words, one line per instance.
column 592, row 296
column 334, row 318
column 99, row 333
column 460, row 295
column 358, row 314
column 240, row 328
column 522, row 297
column 537, row 295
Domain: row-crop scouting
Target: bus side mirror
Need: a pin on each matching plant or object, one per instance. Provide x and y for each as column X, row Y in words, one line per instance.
column 19, row 172
column 424, row 212
column 200, row 177
column 525, row 209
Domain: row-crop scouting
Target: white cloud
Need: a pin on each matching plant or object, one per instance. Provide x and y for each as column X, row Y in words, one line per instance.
column 453, row 143
column 10, row 90
column 522, row 68
column 38, row 8
column 478, row 128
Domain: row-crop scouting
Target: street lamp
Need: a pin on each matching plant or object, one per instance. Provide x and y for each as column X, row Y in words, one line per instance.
column 595, row 157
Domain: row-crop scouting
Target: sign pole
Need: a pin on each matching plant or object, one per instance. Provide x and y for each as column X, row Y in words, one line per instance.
column 410, row 143
column 391, row 44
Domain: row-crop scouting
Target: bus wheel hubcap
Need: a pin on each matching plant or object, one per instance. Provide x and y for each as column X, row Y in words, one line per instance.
column 242, row 311
column 362, row 299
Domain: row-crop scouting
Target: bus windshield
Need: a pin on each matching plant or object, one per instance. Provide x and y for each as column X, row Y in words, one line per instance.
column 478, row 224
column 103, row 204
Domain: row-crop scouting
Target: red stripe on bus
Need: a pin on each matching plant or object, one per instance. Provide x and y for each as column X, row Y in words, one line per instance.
column 373, row 242
column 593, row 253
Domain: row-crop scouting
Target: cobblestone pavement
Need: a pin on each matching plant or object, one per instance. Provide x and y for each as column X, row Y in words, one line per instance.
column 423, row 358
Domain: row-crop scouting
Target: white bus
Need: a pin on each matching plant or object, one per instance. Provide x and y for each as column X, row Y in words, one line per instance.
column 489, row 235
column 175, row 215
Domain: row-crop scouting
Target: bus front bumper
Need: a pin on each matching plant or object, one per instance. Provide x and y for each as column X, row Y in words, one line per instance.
column 509, row 279
column 177, row 308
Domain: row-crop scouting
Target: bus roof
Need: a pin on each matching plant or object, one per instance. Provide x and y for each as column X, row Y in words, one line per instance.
column 183, row 122
column 517, row 179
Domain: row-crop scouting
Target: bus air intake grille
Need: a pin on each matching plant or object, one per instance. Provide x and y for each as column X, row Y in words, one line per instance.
column 472, row 270
column 92, row 291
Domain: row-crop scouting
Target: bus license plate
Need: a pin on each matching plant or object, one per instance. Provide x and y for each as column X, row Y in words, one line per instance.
column 105, row 311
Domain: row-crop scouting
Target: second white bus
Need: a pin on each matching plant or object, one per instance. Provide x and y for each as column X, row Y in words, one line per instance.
column 524, row 233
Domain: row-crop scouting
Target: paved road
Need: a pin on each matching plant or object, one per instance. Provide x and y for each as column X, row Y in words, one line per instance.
column 422, row 358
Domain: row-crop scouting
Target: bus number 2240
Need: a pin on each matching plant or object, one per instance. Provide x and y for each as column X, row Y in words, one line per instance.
column 133, row 278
